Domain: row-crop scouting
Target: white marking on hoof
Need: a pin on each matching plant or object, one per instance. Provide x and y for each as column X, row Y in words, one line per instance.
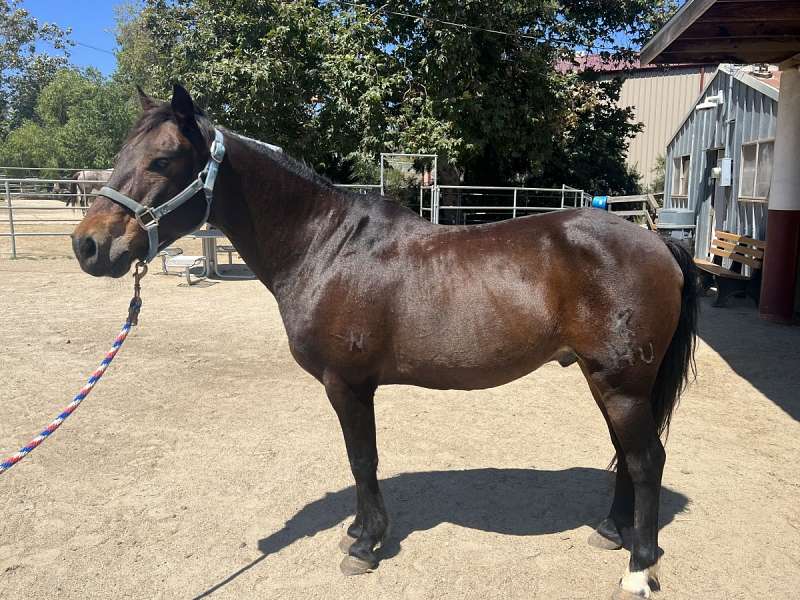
column 636, row 583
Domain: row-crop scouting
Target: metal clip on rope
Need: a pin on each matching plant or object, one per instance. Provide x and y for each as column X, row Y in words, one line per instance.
column 132, row 320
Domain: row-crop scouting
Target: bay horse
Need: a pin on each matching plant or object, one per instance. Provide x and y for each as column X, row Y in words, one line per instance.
column 371, row 294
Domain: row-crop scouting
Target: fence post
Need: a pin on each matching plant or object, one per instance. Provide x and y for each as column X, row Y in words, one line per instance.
column 11, row 222
column 435, row 205
column 563, row 188
column 382, row 178
column 514, row 212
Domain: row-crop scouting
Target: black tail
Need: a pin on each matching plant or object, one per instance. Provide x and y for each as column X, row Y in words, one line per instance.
column 678, row 362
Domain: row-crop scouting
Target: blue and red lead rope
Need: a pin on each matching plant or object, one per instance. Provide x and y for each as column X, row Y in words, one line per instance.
column 133, row 314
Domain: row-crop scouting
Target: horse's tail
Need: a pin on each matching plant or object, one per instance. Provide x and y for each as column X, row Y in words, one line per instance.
column 678, row 362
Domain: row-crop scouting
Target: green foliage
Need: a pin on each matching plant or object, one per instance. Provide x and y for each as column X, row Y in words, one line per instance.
column 24, row 70
column 80, row 120
column 590, row 152
column 337, row 85
column 659, row 175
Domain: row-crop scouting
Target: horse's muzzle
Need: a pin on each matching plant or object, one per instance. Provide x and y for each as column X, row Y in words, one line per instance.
column 98, row 258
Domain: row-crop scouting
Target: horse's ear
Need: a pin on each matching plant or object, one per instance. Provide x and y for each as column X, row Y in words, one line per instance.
column 146, row 101
column 183, row 108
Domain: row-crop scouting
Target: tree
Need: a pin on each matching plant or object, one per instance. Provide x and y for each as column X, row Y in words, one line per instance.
column 592, row 146
column 659, row 173
column 24, row 70
column 337, row 84
column 80, row 120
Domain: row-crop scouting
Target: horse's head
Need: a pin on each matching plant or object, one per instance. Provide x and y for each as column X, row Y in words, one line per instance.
column 166, row 150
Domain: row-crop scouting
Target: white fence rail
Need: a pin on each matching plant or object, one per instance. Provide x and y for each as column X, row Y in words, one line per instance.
column 466, row 205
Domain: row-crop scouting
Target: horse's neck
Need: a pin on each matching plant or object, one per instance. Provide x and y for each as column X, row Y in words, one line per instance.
column 275, row 217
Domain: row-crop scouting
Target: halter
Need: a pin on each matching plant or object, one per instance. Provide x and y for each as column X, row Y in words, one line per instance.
column 149, row 216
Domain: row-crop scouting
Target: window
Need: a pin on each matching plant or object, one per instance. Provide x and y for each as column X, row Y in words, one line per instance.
column 680, row 176
column 756, row 174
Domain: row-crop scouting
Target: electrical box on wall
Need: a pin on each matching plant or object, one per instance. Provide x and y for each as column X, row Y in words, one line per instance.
column 726, row 172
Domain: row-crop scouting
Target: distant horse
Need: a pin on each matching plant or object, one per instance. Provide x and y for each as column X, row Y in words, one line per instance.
column 87, row 183
column 371, row 294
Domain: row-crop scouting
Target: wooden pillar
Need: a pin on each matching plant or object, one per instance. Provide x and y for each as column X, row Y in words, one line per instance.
column 783, row 226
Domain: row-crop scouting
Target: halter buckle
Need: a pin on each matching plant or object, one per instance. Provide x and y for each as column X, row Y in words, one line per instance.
column 146, row 218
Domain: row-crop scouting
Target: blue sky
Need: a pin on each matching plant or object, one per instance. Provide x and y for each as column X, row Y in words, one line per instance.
column 92, row 23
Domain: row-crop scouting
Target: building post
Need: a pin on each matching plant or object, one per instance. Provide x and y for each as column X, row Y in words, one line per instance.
column 783, row 225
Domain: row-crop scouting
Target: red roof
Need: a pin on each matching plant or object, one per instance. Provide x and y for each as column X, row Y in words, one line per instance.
column 773, row 81
column 595, row 62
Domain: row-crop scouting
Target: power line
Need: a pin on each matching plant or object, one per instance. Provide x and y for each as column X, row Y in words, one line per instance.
column 386, row 11
column 94, row 48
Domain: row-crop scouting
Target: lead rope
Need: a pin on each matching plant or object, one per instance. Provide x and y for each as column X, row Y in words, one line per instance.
column 131, row 321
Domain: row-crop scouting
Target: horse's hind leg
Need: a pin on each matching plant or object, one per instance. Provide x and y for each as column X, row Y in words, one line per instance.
column 611, row 531
column 356, row 411
column 630, row 415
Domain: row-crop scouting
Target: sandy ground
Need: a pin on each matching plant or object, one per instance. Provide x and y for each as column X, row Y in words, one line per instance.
column 207, row 463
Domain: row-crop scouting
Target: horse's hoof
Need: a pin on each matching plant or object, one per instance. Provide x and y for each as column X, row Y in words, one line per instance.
column 351, row 565
column 620, row 594
column 598, row 540
column 345, row 543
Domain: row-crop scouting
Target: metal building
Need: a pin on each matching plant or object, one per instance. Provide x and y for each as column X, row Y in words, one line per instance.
column 660, row 97
column 719, row 161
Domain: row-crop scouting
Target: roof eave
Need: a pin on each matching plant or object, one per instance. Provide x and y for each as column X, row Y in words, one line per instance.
column 680, row 22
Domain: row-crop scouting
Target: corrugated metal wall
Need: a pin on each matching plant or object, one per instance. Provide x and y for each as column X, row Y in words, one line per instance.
column 660, row 99
column 748, row 115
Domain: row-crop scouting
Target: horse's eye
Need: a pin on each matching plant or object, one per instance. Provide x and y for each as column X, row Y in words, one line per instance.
column 159, row 164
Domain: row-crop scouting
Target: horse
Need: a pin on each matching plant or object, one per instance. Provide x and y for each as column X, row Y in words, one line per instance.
column 86, row 183
column 371, row 294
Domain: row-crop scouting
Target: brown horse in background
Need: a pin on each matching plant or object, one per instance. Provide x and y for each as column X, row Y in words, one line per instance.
column 371, row 294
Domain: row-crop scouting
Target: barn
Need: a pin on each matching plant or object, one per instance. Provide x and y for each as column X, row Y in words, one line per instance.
column 719, row 161
column 754, row 32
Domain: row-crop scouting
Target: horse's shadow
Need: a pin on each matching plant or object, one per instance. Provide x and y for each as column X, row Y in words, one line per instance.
column 517, row 502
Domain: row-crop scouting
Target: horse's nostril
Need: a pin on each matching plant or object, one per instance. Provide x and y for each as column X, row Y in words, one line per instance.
column 87, row 247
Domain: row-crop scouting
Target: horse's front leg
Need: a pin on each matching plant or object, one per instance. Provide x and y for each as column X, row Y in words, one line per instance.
column 354, row 405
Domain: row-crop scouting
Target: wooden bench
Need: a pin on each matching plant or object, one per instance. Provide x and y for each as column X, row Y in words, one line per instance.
column 742, row 251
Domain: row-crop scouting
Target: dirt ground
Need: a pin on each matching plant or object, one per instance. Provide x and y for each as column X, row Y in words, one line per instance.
column 208, row 464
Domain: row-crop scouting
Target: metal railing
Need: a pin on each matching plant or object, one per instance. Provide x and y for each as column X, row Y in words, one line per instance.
column 466, row 205
column 28, row 202
column 360, row 188
column 37, row 207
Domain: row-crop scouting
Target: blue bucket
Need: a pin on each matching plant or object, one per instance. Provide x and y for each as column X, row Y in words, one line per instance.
column 600, row 202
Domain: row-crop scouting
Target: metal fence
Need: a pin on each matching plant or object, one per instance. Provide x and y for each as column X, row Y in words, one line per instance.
column 468, row 205
column 37, row 206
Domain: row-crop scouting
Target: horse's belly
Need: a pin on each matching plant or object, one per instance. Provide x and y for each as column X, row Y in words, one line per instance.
column 455, row 378
column 469, row 360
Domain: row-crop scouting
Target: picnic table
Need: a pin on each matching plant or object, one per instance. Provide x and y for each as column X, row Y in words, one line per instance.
column 209, row 239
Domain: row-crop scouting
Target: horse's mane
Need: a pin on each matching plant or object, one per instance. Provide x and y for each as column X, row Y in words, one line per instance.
column 161, row 112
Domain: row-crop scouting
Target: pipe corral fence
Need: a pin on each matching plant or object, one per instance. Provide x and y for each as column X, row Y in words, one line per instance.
column 469, row 205
column 33, row 206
